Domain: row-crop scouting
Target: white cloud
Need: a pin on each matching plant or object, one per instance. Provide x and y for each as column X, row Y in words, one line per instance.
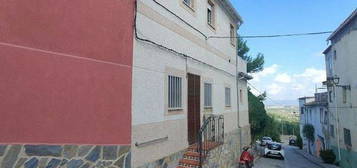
column 281, row 85
column 316, row 75
column 274, row 89
column 266, row 72
column 283, row 78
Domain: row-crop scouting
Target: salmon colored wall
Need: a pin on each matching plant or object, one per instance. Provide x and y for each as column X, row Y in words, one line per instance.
column 65, row 71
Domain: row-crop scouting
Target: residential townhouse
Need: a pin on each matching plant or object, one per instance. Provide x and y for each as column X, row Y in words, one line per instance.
column 313, row 110
column 341, row 60
column 181, row 76
column 81, row 86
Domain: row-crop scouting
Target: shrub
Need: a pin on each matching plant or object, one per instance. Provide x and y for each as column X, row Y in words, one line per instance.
column 299, row 141
column 328, row 156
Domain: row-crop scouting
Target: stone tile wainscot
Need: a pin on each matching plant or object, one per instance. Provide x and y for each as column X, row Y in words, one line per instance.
column 64, row 156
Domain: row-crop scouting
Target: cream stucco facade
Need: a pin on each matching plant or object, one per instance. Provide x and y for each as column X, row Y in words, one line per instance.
column 341, row 61
column 213, row 59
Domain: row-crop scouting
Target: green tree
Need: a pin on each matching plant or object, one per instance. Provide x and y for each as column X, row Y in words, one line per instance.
column 309, row 133
column 261, row 123
column 299, row 141
column 255, row 64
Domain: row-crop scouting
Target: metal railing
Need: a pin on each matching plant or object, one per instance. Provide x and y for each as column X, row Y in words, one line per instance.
column 211, row 134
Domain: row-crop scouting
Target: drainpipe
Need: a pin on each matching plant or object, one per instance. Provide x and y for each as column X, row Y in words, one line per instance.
column 337, row 125
column 238, row 117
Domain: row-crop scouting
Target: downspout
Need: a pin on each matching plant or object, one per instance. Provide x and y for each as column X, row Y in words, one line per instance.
column 337, row 125
column 238, row 117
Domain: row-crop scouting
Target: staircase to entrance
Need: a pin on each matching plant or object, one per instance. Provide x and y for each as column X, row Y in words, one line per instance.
column 210, row 136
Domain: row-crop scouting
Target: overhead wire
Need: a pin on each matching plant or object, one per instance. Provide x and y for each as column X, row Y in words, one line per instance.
column 274, row 36
column 170, row 49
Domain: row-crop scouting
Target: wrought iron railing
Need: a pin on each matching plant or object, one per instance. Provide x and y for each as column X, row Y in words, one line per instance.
column 211, row 134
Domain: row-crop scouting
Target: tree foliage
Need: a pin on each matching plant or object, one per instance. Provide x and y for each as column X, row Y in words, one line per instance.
column 261, row 123
column 254, row 64
column 299, row 141
column 309, row 131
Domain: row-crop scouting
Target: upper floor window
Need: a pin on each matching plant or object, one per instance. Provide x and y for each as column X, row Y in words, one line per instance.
column 227, row 92
column 321, row 115
column 188, row 3
column 334, row 55
column 174, row 92
column 347, row 137
column 302, row 110
column 332, row 131
column 241, row 96
column 208, row 95
column 344, row 95
column 232, row 34
column 210, row 14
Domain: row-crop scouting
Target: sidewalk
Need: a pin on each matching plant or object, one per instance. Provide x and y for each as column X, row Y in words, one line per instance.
column 314, row 159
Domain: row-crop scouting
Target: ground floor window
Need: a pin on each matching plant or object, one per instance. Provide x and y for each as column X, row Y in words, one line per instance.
column 208, row 95
column 347, row 136
column 227, row 96
column 174, row 92
column 332, row 131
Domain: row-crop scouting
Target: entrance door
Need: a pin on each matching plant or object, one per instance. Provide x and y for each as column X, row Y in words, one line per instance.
column 193, row 110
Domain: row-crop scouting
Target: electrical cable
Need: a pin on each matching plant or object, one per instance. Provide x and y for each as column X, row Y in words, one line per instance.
column 185, row 56
column 265, row 96
column 274, row 36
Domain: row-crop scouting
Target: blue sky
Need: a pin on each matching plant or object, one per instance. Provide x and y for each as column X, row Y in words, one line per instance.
column 294, row 65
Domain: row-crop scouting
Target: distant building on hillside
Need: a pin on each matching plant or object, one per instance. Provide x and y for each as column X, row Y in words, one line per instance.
column 313, row 110
column 341, row 69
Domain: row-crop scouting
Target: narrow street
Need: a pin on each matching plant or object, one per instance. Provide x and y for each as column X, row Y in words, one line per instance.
column 292, row 160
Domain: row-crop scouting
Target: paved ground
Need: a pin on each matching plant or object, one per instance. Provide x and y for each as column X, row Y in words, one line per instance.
column 293, row 159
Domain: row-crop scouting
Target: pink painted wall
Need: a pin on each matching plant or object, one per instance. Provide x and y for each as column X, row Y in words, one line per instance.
column 65, row 71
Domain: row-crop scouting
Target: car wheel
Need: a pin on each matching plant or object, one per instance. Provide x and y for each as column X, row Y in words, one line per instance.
column 282, row 158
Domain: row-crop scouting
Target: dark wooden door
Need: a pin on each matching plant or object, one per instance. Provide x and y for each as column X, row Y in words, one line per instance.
column 193, row 109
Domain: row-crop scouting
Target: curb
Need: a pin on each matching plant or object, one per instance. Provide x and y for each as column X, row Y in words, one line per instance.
column 313, row 161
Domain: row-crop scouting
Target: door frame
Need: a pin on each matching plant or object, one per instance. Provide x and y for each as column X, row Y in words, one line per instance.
column 193, row 107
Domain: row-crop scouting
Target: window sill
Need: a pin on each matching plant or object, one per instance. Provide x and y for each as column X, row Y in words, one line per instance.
column 212, row 27
column 175, row 111
column 187, row 7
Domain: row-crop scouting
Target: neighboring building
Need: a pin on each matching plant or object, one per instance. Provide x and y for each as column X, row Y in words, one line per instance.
column 181, row 75
column 341, row 69
column 65, row 82
column 81, row 86
column 313, row 110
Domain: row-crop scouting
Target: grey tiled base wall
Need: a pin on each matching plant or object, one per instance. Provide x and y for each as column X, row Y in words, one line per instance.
column 64, row 156
column 225, row 156
column 170, row 161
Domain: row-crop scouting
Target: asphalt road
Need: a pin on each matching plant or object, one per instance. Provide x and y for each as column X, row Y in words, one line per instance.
column 292, row 160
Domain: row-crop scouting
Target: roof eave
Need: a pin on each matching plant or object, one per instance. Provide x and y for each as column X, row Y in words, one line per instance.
column 232, row 11
column 344, row 23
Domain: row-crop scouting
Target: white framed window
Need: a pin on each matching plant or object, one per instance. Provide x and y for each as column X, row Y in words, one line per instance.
column 227, row 93
column 232, row 34
column 210, row 13
column 332, row 130
column 241, row 96
column 174, row 92
column 188, row 3
column 321, row 115
column 207, row 95
column 344, row 95
column 347, row 137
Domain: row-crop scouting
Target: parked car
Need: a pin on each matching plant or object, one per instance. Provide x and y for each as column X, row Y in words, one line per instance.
column 265, row 140
column 292, row 141
column 274, row 149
